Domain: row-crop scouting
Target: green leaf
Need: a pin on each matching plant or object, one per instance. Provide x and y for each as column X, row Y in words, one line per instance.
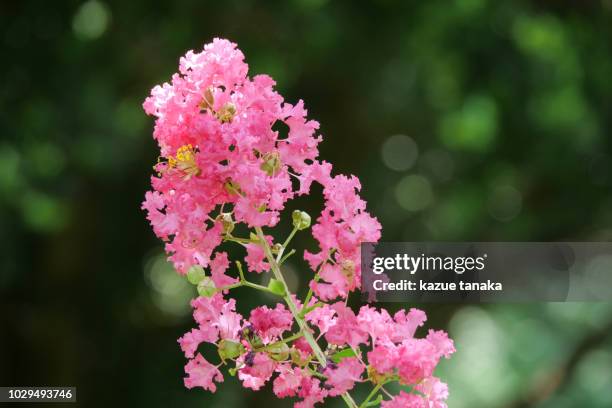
column 276, row 287
column 347, row 352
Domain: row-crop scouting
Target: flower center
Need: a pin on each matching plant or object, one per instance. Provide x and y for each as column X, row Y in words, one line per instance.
column 184, row 160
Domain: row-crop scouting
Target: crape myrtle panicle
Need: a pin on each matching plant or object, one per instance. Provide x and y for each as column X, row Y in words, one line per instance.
column 221, row 164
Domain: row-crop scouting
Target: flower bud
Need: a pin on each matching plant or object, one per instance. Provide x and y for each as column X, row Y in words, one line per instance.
column 277, row 287
column 227, row 112
column 301, row 219
column 206, row 287
column 271, row 163
column 279, row 352
column 208, row 100
column 229, row 349
column 228, row 222
column 195, row 274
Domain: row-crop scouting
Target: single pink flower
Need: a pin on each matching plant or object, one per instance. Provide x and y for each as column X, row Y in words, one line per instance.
column 347, row 329
column 202, row 374
column 218, row 266
column 271, row 323
column 257, row 368
column 192, row 339
column 383, row 358
column 341, row 377
column 288, row 382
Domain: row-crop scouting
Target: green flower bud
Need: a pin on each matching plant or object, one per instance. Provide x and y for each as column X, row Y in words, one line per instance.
column 206, row 287
column 195, row 274
column 271, row 163
column 227, row 112
column 276, row 248
column 279, row 352
column 301, row 219
column 277, row 287
column 228, row 222
column 229, row 349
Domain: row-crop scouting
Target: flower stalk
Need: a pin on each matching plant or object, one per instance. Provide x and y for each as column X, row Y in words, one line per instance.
column 292, row 306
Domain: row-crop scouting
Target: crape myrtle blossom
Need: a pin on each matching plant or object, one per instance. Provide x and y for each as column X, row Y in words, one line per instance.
column 225, row 161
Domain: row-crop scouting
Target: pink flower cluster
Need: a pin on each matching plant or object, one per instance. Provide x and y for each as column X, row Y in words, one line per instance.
column 260, row 353
column 225, row 160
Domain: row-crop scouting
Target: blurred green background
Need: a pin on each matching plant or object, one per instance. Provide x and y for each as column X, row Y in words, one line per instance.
column 466, row 120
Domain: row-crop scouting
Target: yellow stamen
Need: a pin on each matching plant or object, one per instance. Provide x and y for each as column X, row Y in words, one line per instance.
column 184, row 160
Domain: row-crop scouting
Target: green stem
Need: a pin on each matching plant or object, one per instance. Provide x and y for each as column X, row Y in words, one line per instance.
column 283, row 341
column 244, row 282
column 285, row 244
column 235, row 285
column 310, row 293
column 282, row 261
column 370, row 396
column 240, row 271
column 293, row 308
column 256, row 286
column 237, row 239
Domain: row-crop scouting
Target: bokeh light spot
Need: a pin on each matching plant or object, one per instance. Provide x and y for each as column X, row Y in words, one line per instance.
column 505, row 203
column 43, row 212
column 399, row 152
column 91, row 20
column 45, row 159
column 170, row 291
column 479, row 335
column 594, row 375
column 9, row 169
column 541, row 36
column 473, row 127
column 414, row 193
